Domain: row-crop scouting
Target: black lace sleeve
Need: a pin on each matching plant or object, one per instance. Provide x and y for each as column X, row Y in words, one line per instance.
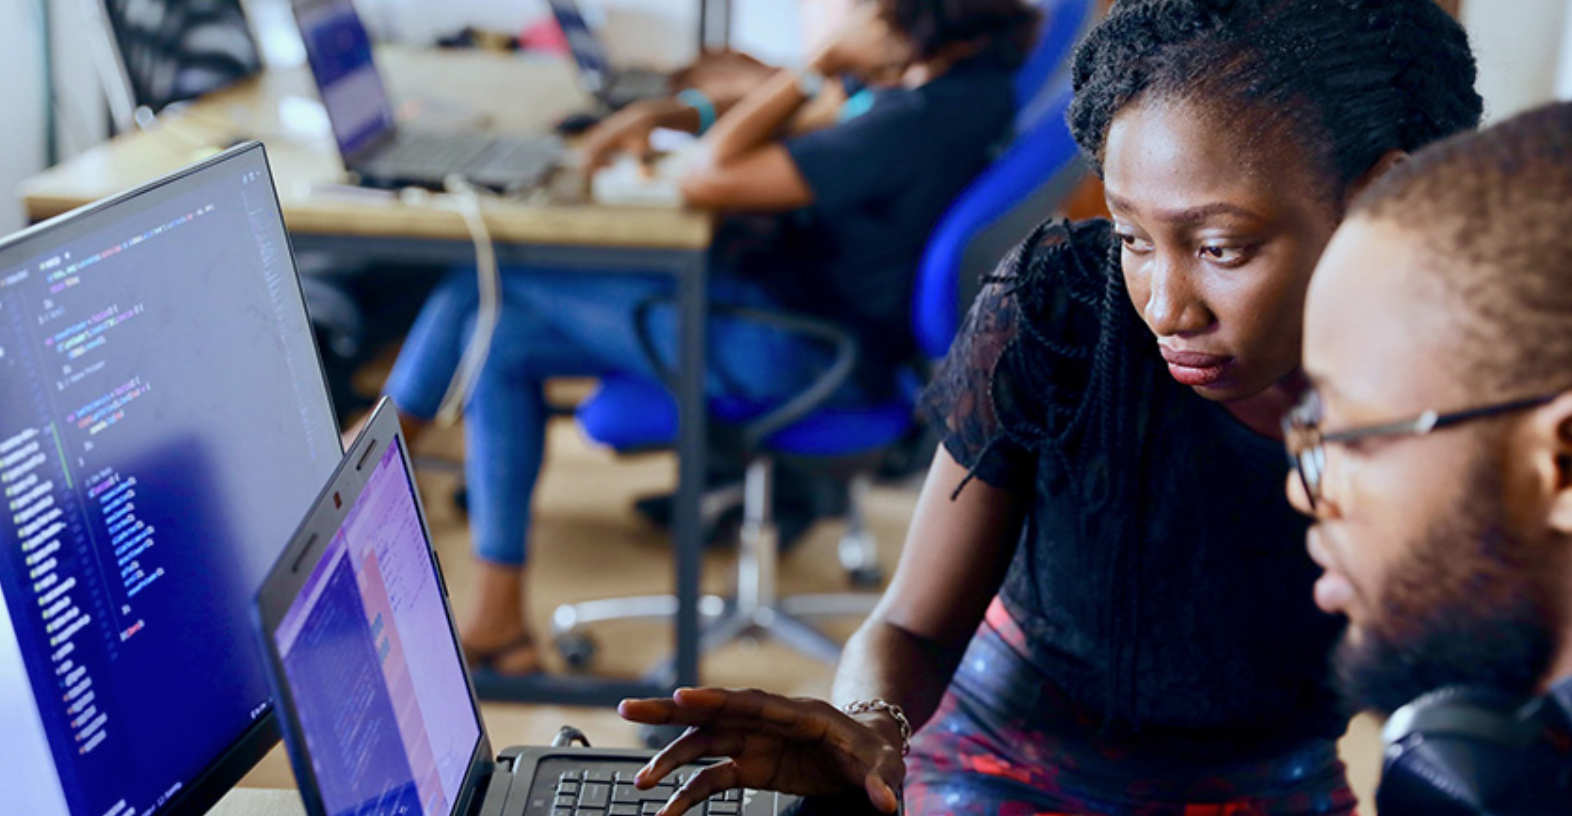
column 1013, row 379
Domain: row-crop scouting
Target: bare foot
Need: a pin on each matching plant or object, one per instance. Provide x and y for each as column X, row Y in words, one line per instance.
column 493, row 630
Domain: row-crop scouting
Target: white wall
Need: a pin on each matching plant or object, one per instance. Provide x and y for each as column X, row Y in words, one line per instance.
column 21, row 96
column 1520, row 44
column 78, row 104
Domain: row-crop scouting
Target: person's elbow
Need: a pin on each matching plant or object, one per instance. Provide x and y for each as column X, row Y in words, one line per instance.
column 762, row 181
column 704, row 188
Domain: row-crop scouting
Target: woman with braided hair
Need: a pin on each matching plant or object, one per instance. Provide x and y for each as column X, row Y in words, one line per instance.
column 1104, row 604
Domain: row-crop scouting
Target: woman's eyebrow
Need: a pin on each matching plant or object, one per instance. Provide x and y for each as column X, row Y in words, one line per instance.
column 1188, row 215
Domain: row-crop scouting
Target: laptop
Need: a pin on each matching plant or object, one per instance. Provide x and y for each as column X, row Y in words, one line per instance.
column 379, row 152
column 616, row 88
column 377, row 709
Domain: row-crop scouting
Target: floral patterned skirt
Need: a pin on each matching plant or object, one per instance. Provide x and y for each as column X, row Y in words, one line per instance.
column 1006, row 740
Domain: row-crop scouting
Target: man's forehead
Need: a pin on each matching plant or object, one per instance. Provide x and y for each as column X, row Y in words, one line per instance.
column 1378, row 331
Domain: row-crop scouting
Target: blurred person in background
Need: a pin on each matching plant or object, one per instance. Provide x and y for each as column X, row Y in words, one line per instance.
column 848, row 199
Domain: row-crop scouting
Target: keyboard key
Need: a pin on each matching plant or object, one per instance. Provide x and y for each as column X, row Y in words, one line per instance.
column 625, row 792
column 599, row 775
column 561, row 811
column 651, row 807
column 723, row 808
column 623, row 809
column 564, row 801
column 567, row 787
column 594, row 795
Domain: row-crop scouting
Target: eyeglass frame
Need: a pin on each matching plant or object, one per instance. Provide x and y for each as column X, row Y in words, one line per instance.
column 1295, row 431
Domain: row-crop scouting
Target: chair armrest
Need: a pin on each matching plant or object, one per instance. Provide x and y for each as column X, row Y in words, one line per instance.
column 813, row 397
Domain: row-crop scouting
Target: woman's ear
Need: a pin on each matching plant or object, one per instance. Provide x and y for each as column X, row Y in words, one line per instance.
column 1388, row 160
column 1554, row 461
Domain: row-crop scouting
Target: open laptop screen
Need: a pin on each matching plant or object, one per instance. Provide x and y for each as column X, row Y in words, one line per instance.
column 594, row 66
column 339, row 50
column 371, row 663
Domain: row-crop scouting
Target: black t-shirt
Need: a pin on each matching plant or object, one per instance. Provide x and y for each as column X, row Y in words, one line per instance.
column 1161, row 574
column 880, row 182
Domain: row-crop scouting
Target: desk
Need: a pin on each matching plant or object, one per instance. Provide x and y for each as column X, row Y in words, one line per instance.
column 259, row 802
column 553, row 228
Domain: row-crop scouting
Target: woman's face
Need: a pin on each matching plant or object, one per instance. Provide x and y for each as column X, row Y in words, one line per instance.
column 1219, row 239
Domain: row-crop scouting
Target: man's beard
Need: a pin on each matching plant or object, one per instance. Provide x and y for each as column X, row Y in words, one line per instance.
column 1464, row 607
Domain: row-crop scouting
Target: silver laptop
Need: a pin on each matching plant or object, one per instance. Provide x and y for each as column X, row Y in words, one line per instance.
column 378, row 710
column 375, row 148
column 615, row 87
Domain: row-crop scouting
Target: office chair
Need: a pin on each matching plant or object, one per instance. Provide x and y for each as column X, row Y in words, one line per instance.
column 1046, row 72
column 635, row 413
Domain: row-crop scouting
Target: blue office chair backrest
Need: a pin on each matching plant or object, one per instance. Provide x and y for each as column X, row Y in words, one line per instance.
column 998, row 210
column 1046, row 71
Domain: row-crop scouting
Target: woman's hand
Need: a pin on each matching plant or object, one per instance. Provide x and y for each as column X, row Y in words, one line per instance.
column 724, row 76
column 791, row 745
column 626, row 131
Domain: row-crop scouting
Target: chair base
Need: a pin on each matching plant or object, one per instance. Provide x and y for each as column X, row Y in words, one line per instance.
column 755, row 612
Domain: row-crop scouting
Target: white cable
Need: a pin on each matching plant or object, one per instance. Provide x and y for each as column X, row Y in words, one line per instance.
column 466, row 201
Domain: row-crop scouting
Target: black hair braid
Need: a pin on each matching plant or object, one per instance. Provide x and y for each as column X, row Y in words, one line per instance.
column 1351, row 79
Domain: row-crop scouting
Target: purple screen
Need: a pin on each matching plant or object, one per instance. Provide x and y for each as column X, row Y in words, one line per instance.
column 372, row 665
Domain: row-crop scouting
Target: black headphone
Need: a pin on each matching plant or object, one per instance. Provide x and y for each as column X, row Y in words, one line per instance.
column 1475, row 752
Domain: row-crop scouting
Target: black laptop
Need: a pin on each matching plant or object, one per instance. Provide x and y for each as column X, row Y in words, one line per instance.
column 378, row 711
column 614, row 87
column 375, row 148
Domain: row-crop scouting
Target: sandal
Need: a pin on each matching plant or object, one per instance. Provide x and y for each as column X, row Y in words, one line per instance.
column 488, row 660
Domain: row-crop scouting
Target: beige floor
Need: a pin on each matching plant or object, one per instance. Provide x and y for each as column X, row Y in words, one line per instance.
column 588, row 544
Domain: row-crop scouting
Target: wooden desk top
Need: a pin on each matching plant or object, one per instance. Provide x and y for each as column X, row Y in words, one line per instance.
column 514, row 93
column 259, row 802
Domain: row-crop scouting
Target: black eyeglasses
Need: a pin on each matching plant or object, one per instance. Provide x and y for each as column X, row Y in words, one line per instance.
column 1307, row 444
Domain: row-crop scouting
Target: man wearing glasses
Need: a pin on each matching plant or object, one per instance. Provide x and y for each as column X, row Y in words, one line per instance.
column 1435, row 448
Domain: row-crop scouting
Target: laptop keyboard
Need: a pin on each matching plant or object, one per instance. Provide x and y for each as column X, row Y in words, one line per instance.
column 601, row 792
column 486, row 160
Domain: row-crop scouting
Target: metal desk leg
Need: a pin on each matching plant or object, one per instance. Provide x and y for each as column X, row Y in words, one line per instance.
column 691, row 453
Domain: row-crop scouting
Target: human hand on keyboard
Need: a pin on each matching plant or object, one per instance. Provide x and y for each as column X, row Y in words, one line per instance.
column 770, row 742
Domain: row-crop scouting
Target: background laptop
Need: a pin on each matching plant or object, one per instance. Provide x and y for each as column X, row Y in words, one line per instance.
column 615, row 87
column 378, row 710
column 374, row 147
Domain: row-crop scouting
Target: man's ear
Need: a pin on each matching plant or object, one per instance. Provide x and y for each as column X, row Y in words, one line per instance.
column 1553, row 459
column 1388, row 160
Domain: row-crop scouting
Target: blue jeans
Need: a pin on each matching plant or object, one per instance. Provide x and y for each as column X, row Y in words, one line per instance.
column 565, row 324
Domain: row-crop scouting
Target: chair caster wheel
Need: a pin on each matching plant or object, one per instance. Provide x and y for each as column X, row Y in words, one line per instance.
column 578, row 651
column 656, row 737
column 866, row 576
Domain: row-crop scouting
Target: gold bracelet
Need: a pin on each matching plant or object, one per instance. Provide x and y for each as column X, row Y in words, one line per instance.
column 865, row 706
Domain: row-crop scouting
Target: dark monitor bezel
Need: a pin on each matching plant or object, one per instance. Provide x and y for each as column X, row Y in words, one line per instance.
column 230, row 766
column 299, row 560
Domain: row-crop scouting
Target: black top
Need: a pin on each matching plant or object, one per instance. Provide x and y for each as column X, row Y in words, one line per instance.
column 880, row 182
column 1161, row 573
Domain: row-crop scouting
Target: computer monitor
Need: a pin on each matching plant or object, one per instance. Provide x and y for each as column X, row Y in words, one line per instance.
column 164, row 424
column 173, row 50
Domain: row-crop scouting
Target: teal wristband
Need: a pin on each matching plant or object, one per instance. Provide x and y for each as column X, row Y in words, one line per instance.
column 699, row 102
